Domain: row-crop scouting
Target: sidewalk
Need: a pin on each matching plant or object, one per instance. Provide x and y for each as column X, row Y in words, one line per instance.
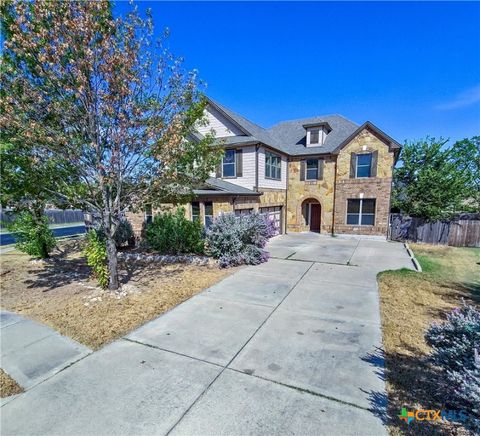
column 32, row 352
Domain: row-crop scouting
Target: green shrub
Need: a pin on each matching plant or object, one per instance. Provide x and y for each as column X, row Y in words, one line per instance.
column 172, row 233
column 124, row 234
column 96, row 253
column 32, row 237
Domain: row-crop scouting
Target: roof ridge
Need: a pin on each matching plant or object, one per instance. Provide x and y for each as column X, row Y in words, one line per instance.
column 297, row 120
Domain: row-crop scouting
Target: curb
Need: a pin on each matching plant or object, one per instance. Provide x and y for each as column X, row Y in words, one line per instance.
column 414, row 260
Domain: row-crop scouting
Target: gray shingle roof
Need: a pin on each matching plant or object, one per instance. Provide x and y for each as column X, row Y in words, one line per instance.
column 215, row 186
column 290, row 136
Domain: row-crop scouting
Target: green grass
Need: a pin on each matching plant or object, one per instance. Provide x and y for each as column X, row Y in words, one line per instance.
column 429, row 264
column 410, row 302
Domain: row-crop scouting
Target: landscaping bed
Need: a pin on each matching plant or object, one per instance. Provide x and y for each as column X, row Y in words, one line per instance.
column 410, row 302
column 8, row 386
column 60, row 293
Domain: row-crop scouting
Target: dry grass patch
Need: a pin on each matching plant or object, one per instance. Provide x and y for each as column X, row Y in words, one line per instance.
column 410, row 302
column 59, row 293
column 8, row 386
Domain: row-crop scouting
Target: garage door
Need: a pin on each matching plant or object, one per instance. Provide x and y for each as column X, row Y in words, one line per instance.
column 275, row 214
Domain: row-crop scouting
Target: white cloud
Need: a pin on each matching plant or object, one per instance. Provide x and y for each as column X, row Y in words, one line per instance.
column 465, row 98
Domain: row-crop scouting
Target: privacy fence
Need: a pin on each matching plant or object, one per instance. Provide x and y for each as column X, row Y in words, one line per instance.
column 461, row 231
column 55, row 216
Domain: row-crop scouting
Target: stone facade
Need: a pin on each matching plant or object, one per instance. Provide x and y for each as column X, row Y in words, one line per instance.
column 378, row 188
column 332, row 192
column 300, row 191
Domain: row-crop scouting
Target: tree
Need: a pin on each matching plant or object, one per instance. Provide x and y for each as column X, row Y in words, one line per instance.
column 434, row 181
column 97, row 93
column 468, row 159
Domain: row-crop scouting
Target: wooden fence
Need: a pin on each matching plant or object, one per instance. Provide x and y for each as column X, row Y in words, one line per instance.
column 55, row 216
column 463, row 231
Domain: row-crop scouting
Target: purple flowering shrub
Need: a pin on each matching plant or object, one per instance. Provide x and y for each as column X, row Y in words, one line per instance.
column 456, row 351
column 238, row 240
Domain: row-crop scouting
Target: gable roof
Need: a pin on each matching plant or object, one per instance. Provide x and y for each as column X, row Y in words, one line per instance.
column 289, row 136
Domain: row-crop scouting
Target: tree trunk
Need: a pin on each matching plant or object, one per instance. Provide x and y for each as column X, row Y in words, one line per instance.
column 112, row 264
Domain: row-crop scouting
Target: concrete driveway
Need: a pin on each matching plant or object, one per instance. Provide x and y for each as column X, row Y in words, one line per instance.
column 292, row 346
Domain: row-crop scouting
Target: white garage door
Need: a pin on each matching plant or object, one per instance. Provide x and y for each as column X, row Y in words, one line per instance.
column 275, row 214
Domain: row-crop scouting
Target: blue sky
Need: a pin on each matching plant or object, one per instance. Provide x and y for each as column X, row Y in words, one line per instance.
column 413, row 69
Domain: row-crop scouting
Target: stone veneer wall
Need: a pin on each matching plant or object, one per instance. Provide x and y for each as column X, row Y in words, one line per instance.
column 320, row 190
column 375, row 187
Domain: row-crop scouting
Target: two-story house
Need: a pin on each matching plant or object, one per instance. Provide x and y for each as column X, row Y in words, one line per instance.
column 323, row 174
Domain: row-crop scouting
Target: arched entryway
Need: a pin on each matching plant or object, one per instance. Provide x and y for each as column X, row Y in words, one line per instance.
column 311, row 214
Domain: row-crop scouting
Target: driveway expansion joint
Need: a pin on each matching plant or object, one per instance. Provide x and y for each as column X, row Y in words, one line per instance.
column 303, row 390
column 133, row 341
column 202, row 394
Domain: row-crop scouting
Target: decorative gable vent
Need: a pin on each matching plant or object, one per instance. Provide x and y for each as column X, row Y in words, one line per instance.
column 316, row 133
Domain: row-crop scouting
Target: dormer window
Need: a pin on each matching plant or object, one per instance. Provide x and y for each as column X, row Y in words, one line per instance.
column 316, row 133
column 314, row 136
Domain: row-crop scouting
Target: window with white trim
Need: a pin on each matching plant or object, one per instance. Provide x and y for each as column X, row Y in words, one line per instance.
column 361, row 212
column 312, row 169
column 208, row 205
column 273, row 166
column 364, row 165
column 229, row 165
column 148, row 214
column 314, row 136
column 195, row 211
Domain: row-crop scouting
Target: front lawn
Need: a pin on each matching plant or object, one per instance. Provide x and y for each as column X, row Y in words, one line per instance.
column 410, row 302
column 60, row 293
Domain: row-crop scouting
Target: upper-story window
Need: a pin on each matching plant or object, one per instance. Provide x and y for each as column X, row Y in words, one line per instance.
column 314, row 136
column 229, row 164
column 273, row 166
column 364, row 165
column 312, row 169
column 316, row 133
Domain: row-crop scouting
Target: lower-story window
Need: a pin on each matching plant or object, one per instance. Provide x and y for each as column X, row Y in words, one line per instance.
column 208, row 213
column 361, row 212
column 240, row 212
column 195, row 211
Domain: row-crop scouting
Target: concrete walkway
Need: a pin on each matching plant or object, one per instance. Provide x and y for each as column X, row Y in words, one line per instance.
column 292, row 346
column 32, row 352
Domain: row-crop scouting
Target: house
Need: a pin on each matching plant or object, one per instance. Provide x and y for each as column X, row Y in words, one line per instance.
column 322, row 174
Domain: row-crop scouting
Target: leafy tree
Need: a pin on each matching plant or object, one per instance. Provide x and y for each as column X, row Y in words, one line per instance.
column 96, row 92
column 468, row 160
column 33, row 236
column 434, row 181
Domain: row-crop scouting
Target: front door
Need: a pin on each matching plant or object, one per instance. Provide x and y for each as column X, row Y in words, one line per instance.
column 315, row 218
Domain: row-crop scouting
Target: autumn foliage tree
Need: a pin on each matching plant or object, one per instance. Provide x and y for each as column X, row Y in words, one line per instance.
column 98, row 93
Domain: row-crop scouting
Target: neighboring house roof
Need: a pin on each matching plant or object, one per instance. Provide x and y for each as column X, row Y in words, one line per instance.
column 214, row 186
column 290, row 136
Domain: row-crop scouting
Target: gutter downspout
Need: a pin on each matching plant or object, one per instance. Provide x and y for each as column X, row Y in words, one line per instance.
column 256, row 167
column 334, row 196
column 285, row 213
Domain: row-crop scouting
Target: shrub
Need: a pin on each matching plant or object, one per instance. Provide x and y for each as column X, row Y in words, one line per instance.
column 96, row 253
column 237, row 240
column 124, row 234
column 172, row 233
column 32, row 236
column 456, row 351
